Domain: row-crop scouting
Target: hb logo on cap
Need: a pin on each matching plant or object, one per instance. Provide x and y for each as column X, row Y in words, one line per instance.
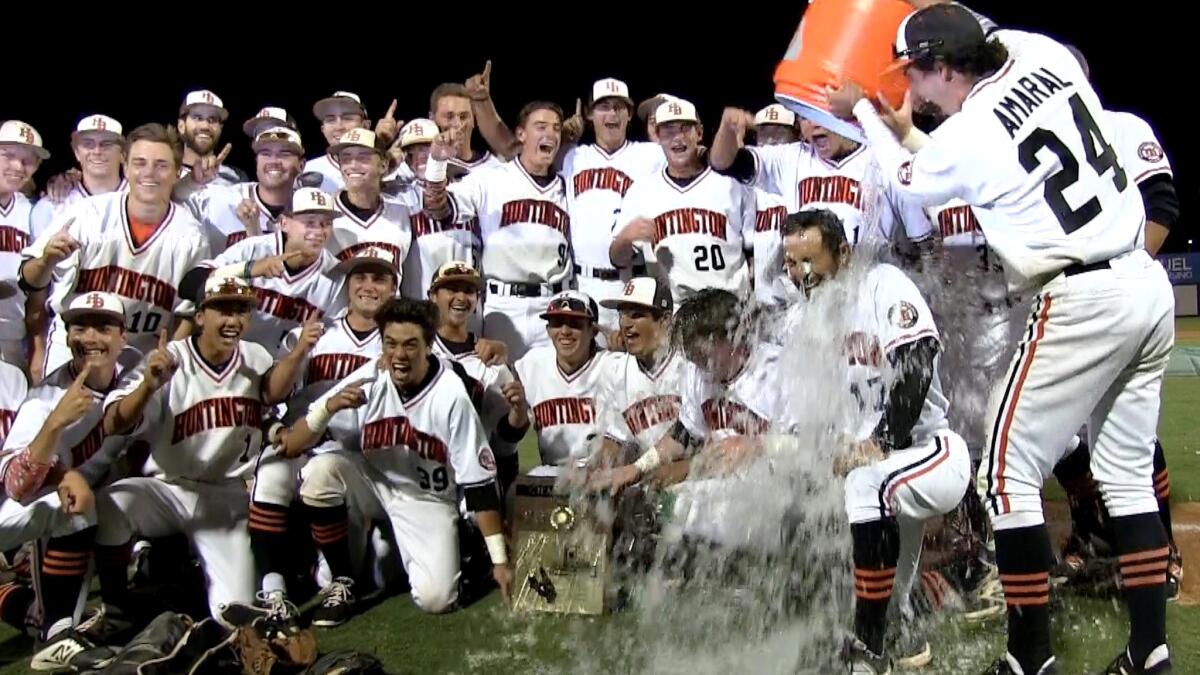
column 612, row 86
column 351, row 136
column 319, row 198
column 772, row 114
column 26, row 134
column 98, row 123
column 629, row 288
column 95, row 301
column 207, row 96
column 674, row 109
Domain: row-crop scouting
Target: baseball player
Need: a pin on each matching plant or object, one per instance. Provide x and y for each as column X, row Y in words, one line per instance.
column 413, row 439
column 364, row 219
column 284, row 268
column 268, row 118
column 645, row 113
column 903, row 460
column 521, row 207
column 598, row 176
column 775, row 125
column 769, row 213
column 435, row 242
column 451, row 107
column 337, row 114
column 55, row 455
column 692, row 221
column 21, row 153
column 202, row 399
column 563, row 382
column 100, row 150
column 230, row 213
column 201, row 120
column 1057, row 207
column 135, row 244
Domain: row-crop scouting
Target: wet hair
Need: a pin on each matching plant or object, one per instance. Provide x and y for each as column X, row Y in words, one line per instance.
column 535, row 106
column 446, row 90
column 422, row 313
column 158, row 133
column 980, row 60
column 713, row 315
column 833, row 232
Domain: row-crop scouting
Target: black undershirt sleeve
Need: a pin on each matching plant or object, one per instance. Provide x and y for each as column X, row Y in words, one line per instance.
column 914, row 366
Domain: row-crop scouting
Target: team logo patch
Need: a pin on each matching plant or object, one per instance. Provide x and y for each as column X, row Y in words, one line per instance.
column 905, row 173
column 903, row 314
column 629, row 288
column 95, row 301
column 1151, row 152
column 487, row 460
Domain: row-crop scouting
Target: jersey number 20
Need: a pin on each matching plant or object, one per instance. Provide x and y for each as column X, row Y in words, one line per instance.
column 706, row 262
column 1098, row 153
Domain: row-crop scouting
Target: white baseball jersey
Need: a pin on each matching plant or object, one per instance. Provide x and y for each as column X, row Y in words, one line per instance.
column 490, row 401
column 146, row 277
column 524, row 226
column 645, row 403
column 205, row 424
column 14, row 238
column 700, row 230
column 1141, row 154
column 82, row 445
column 226, row 176
column 965, row 251
column 427, row 445
column 851, row 187
column 339, row 352
column 1031, row 150
column 596, row 183
column 13, row 388
column 285, row 302
column 745, row 406
column 434, row 243
column 769, row 214
column 563, row 406
column 331, row 172
column 216, row 208
column 46, row 211
column 388, row 228
column 403, row 174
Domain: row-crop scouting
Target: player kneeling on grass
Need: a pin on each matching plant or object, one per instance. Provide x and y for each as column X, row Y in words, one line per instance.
column 904, row 462
column 54, row 456
column 201, row 401
column 405, row 436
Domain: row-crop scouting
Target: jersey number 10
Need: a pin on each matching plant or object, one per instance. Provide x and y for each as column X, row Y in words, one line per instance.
column 146, row 322
column 1096, row 150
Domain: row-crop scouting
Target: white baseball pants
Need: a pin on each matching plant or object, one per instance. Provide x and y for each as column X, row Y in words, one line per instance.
column 918, row 483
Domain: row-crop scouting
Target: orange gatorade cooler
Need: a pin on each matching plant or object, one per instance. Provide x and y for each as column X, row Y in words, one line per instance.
column 842, row 40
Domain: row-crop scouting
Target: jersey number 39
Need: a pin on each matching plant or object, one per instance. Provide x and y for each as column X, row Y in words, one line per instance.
column 1097, row 152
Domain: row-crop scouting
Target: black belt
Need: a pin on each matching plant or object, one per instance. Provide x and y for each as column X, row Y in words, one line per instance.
column 1072, row 270
column 601, row 273
column 525, row 290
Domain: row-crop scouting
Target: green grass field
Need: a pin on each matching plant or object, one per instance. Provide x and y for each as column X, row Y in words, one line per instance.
column 486, row 637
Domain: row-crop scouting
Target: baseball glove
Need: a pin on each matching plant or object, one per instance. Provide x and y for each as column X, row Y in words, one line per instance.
column 264, row 649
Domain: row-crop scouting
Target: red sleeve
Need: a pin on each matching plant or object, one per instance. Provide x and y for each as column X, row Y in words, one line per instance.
column 24, row 477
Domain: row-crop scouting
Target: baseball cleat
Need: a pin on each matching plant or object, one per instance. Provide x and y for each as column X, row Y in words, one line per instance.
column 862, row 661
column 1158, row 663
column 337, row 605
column 1174, row 574
column 1009, row 666
column 69, row 650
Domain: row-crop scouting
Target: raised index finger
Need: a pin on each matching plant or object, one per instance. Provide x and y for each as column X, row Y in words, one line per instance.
column 162, row 339
column 291, row 255
column 391, row 111
column 224, row 153
column 487, row 71
column 578, row 107
column 82, row 376
column 67, row 225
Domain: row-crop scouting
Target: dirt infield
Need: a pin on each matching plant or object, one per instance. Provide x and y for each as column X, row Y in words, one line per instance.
column 1185, row 521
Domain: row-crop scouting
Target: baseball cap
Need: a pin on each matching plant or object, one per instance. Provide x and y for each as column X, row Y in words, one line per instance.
column 227, row 288
column 372, row 255
column 775, row 114
column 16, row 132
column 97, row 303
column 282, row 135
column 675, row 110
column 340, row 100
column 310, row 200
column 610, row 88
column 268, row 117
column 97, row 125
column 455, row 270
column 647, row 107
column 355, row 137
column 572, row 303
column 420, row 130
column 938, row 30
column 643, row 292
column 206, row 99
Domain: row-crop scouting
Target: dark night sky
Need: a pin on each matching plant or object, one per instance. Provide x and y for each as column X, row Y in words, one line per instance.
column 717, row 56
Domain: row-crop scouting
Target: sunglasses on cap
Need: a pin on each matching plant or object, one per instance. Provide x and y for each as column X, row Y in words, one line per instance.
column 569, row 305
column 922, row 49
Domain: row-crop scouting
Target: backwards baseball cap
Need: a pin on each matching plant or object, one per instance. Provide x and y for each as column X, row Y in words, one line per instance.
column 97, row 125
column 675, row 110
column 227, row 288
column 95, row 303
column 938, row 30
column 339, row 101
column 310, row 200
column 16, row 132
column 203, row 99
column 355, row 137
column 610, row 88
column 647, row 107
column 420, row 130
column 266, row 118
column 775, row 114
column 642, row 292
column 282, row 135
column 572, row 303
column 372, row 255
column 455, row 270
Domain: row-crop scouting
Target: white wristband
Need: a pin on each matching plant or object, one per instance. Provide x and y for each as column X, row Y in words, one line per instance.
column 236, row 271
column 435, row 170
column 318, row 417
column 496, row 548
column 649, row 461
